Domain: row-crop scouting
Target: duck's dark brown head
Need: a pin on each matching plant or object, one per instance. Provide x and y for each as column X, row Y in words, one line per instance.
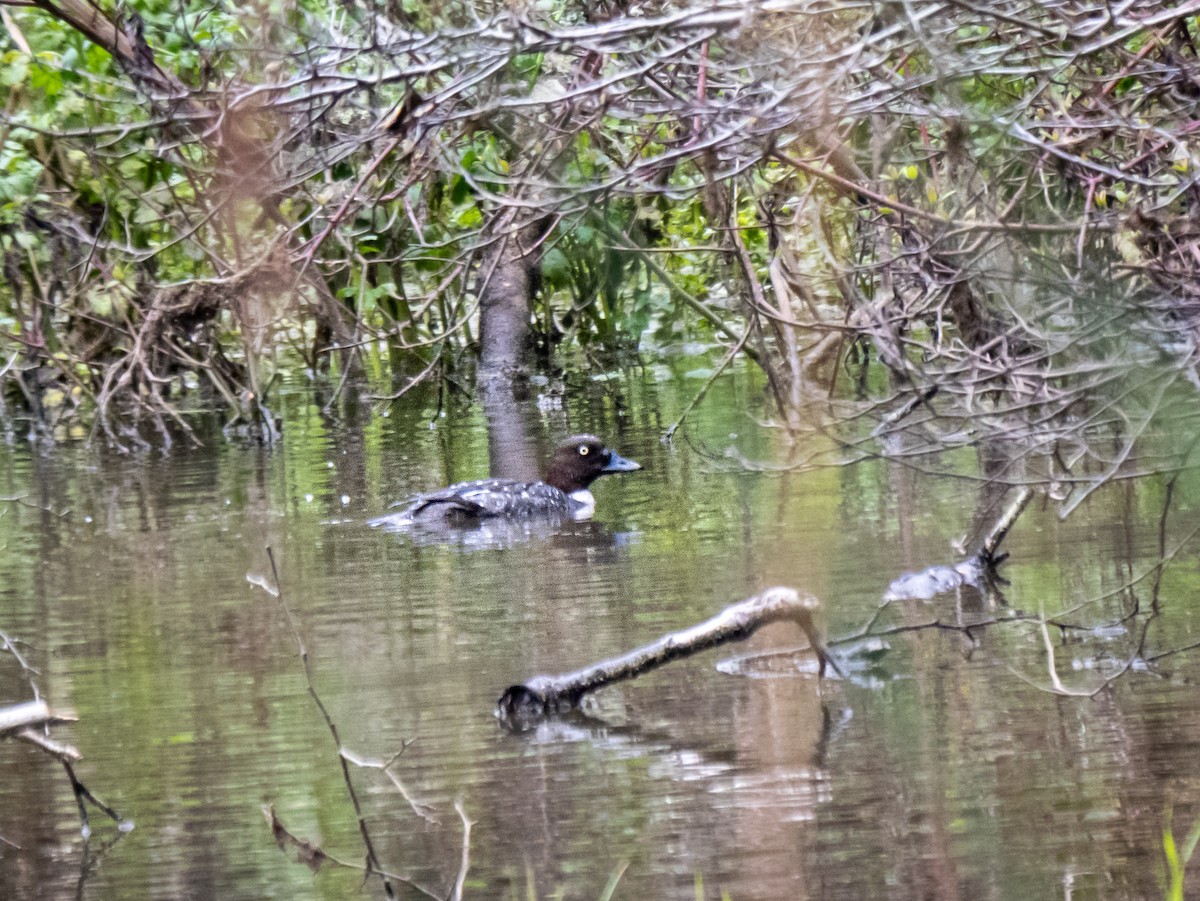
column 582, row 459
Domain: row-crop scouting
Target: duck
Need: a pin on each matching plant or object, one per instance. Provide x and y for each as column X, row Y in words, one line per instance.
column 562, row 493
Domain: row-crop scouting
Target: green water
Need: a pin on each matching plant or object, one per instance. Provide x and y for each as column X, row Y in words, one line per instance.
column 945, row 770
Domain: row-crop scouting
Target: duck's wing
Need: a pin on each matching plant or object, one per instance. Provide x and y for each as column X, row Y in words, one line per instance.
column 464, row 501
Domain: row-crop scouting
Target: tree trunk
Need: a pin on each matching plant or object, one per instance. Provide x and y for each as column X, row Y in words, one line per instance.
column 507, row 285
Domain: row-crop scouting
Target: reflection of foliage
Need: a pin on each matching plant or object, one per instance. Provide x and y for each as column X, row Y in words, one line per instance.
column 187, row 673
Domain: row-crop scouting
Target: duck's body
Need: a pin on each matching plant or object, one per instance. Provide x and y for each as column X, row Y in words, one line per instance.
column 563, row 493
column 498, row 497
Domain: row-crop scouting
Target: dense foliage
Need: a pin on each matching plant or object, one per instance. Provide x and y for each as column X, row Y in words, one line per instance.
column 986, row 199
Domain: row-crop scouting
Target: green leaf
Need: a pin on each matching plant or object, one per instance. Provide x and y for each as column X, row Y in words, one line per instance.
column 460, row 190
column 131, row 167
column 14, row 68
column 469, row 217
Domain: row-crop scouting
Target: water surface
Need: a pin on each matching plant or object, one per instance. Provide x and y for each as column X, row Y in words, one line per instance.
column 943, row 770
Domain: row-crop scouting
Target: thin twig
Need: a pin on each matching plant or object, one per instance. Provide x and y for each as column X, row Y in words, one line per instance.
column 465, row 864
column 424, row 811
column 373, row 866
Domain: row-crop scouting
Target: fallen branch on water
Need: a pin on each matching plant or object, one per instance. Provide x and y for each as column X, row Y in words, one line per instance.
column 521, row 705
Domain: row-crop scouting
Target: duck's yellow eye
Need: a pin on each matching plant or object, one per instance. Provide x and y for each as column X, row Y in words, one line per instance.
column 583, row 451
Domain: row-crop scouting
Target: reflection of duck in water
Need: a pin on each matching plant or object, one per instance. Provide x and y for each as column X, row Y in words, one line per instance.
column 563, row 492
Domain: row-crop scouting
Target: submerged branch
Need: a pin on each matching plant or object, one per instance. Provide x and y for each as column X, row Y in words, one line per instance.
column 29, row 722
column 974, row 570
column 456, row 893
column 315, row 857
column 977, row 570
column 998, row 532
column 373, row 866
column 311, row 854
